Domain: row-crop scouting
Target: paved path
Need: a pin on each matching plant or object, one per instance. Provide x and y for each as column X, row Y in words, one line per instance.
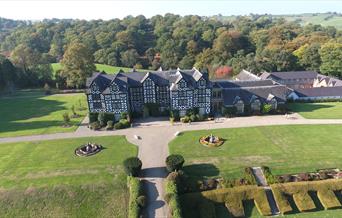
column 153, row 146
column 261, row 181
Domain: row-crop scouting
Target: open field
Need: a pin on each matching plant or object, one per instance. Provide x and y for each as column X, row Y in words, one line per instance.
column 32, row 112
column 46, row 179
column 285, row 149
column 326, row 110
column 99, row 67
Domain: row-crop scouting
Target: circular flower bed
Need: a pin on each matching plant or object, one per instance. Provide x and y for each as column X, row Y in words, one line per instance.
column 88, row 149
column 211, row 141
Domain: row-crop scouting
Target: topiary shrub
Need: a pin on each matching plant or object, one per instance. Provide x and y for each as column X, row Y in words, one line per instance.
column 229, row 111
column 122, row 124
column 102, row 119
column 93, row 117
column 95, row 125
column 193, row 118
column 110, row 125
column 174, row 162
column 185, row 119
column 132, row 166
column 66, row 119
column 266, row 108
column 141, row 201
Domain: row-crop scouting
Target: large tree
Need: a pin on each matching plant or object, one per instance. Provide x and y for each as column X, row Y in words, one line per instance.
column 77, row 64
column 331, row 54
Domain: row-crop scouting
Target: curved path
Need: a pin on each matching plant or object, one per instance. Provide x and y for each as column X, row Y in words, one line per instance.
column 153, row 146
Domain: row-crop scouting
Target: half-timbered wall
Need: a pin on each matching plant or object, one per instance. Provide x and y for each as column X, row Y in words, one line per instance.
column 149, row 91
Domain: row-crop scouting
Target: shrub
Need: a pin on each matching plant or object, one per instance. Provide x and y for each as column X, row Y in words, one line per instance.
column 93, row 117
column 122, row 124
column 141, row 201
column 135, row 197
column 66, row 118
column 47, row 89
column 185, row 119
column 123, row 115
column 193, row 118
column 249, row 176
column 132, row 166
column 174, row 162
column 109, row 117
column 266, row 108
column 229, row 111
column 175, row 115
column 206, row 209
column 109, row 125
column 172, row 198
column 101, row 119
column 95, row 125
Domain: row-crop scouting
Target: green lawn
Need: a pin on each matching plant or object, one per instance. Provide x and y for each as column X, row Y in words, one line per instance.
column 31, row 112
column 326, row 110
column 46, row 179
column 286, row 149
column 99, row 67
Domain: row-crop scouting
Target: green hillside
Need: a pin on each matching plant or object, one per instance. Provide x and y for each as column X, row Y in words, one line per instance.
column 99, row 67
column 324, row 19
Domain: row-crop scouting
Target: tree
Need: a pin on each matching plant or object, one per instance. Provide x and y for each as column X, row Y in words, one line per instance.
column 331, row 54
column 77, row 64
column 129, row 58
column 309, row 57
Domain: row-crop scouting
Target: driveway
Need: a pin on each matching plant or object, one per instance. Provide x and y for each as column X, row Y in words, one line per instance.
column 153, row 146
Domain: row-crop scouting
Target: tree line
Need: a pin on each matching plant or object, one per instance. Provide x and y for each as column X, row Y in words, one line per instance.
column 258, row 43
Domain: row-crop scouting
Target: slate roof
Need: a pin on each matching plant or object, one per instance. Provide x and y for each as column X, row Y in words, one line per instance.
column 329, row 80
column 246, row 75
column 135, row 79
column 289, row 75
column 263, row 93
column 320, row 92
column 245, row 83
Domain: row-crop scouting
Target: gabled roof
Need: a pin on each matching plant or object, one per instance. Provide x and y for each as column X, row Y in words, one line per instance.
column 102, row 80
column 320, row 92
column 290, row 75
column 263, row 93
column 246, row 75
column 245, row 83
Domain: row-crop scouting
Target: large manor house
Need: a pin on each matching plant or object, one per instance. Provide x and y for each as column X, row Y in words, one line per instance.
column 182, row 90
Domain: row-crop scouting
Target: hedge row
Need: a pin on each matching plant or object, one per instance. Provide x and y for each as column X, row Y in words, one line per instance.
column 172, row 198
column 302, row 192
column 233, row 199
column 135, row 191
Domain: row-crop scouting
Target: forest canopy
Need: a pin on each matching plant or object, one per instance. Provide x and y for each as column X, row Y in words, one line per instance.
column 256, row 43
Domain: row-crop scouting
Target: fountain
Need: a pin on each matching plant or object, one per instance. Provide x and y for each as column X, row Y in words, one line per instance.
column 211, row 141
column 88, row 149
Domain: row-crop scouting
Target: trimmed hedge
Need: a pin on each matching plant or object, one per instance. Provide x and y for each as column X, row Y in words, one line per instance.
column 174, row 162
column 122, row 124
column 232, row 197
column 171, row 197
column 299, row 191
column 135, row 193
column 93, row 117
column 132, row 166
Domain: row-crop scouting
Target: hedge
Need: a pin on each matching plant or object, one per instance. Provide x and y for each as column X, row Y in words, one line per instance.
column 172, row 198
column 233, row 198
column 299, row 191
column 135, row 191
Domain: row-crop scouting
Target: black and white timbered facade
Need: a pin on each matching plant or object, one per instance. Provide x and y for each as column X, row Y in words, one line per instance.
column 128, row 92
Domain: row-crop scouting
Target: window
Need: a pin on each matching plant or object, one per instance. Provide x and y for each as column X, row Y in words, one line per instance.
column 201, row 99
column 202, row 82
column 96, row 97
column 97, row 105
column 183, row 102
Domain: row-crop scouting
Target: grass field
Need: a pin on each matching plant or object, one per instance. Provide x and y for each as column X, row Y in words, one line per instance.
column 286, row 149
column 31, row 112
column 326, row 110
column 99, row 67
column 46, row 179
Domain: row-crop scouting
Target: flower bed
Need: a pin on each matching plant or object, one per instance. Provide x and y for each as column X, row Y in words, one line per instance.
column 206, row 142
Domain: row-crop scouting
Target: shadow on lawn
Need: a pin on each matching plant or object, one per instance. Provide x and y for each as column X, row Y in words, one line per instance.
column 27, row 108
column 202, row 170
column 307, row 107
